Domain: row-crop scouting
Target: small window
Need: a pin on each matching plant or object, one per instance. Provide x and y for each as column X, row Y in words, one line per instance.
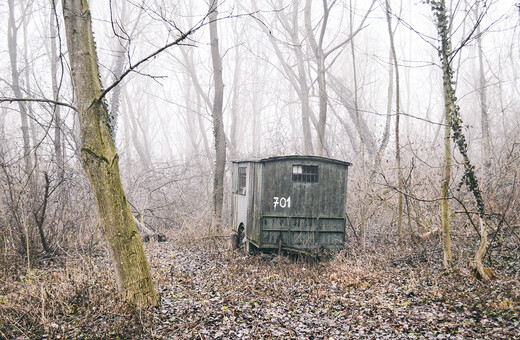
column 305, row 173
column 242, row 176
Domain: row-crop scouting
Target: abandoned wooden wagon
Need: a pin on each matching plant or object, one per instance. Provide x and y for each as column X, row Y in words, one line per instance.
column 289, row 202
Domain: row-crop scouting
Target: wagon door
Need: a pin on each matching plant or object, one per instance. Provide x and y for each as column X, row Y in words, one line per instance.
column 242, row 197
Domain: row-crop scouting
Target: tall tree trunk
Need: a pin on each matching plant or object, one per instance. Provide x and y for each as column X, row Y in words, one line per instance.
column 447, row 76
column 482, row 93
column 386, row 132
column 119, row 63
column 204, row 135
column 356, row 95
column 218, row 122
column 3, row 114
column 397, row 134
column 446, row 178
column 364, row 184
column 235, row 105
column 59, row 151
column 454, row 126
column 256, row 109
column 319, row 55
column 101, row 161
column 32, row 119
column 201, row 96
column 192, row 149
column 302, row 79
column 12, row 42
column 141, row 146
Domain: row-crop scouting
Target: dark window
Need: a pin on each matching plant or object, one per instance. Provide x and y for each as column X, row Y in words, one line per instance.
column 305, row 173
column 242, row 176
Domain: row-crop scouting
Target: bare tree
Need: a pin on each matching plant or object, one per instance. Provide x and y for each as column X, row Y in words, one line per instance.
column 295, row 74
column 12, row 42
column 59, row 149
column 453, row 130
column 388, row 11
column 482, row 94
column 218, row 121
column 449, row 104
column 101, row 160
column 320, row 54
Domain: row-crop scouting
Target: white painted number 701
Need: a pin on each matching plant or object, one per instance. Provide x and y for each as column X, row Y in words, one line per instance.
column 282, row 202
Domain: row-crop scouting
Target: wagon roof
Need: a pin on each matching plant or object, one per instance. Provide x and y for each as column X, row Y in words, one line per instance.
column 293, row 157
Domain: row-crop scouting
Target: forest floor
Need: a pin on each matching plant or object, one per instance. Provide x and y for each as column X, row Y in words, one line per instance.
column 208, row 292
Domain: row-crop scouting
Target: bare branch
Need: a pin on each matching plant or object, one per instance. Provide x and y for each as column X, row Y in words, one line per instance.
column 37, row 100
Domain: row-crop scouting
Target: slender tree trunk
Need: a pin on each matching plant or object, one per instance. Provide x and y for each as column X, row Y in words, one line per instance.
column 356, row 99
column 12, row 42
column 141, row 147
column 127, row 137
column 256, row 109
column 201, row 96
column 235, row 105
column 193, row 147
column 204, row 135
column 482, row 93
column 445, row 184
column 58, row 147
column 3, row 114
column 364, row 184
column 447, row 75
column 397, row 134
column 302, row 80
column 119, row 63
column 218, row 122
column 319, row 55
column 101, row 161
column 485, row 273
column 454, row 126
column 386, row 132
column 32, row 119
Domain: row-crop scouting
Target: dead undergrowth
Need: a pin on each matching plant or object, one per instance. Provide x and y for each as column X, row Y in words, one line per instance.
column 209, row 292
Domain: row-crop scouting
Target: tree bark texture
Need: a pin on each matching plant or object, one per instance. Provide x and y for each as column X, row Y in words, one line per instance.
column 218, row 122
column 100, row 161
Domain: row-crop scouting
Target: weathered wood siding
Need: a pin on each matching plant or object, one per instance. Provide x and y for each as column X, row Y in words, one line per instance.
column 299, row 215
column 326, row 198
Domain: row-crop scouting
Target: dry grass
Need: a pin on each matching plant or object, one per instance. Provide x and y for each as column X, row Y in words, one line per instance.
column 207, row 291
column 74, row 299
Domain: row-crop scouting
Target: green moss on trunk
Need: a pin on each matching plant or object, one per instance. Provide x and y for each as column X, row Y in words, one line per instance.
column 101, row 162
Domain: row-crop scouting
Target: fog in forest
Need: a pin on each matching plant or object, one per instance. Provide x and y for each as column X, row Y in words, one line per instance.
column 422, row 97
